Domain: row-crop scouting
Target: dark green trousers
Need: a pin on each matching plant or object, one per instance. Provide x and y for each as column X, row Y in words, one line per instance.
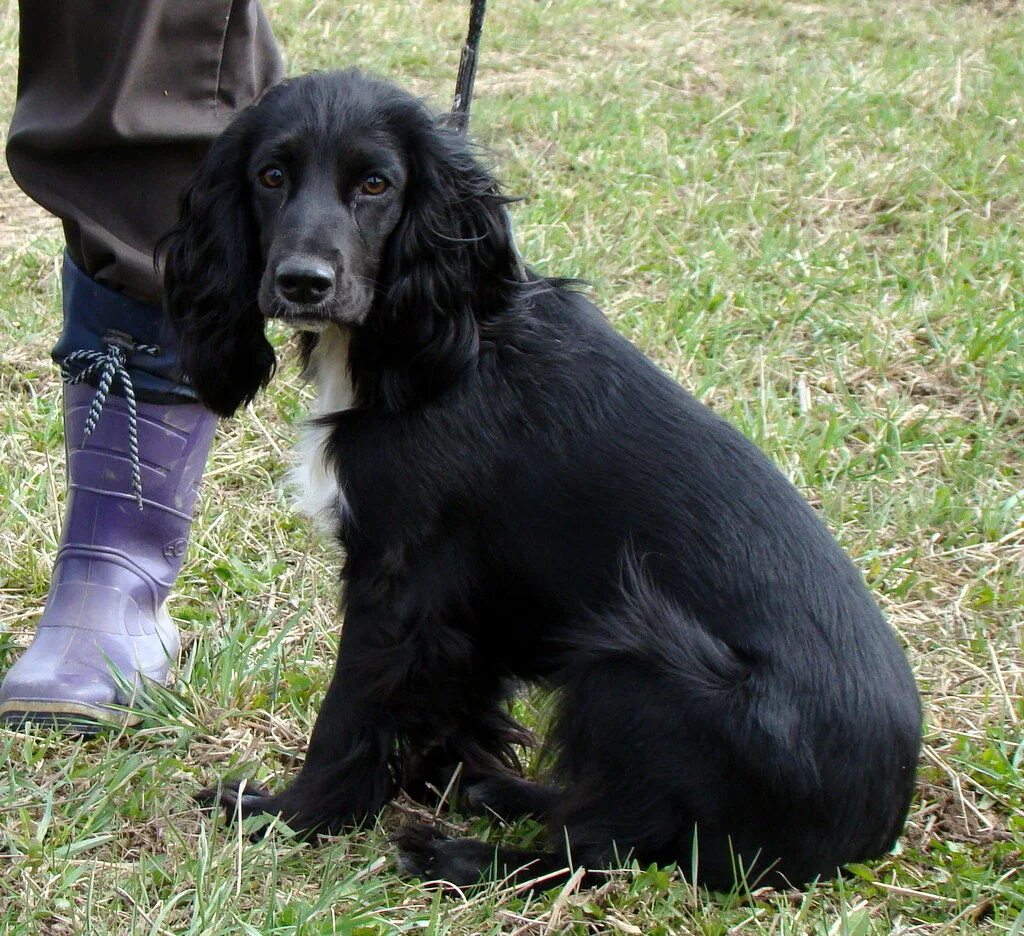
column 117, row 102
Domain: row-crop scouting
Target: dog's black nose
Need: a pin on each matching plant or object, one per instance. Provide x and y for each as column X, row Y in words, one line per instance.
column 304, row 281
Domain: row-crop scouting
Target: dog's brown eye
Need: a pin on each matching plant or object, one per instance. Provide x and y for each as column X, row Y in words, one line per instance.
column 271, row 177
column 374, row 185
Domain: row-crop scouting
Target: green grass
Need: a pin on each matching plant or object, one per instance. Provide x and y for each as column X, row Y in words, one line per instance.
column 808, row 213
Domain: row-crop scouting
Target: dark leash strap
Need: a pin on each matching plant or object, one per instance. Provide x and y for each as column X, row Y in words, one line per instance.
column 464, row 83
column 467, row 67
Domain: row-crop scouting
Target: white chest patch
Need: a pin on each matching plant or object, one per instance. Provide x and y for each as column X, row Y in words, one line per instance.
column 313, row 483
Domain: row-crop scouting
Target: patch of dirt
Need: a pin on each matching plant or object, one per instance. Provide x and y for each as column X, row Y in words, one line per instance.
column 946, row 816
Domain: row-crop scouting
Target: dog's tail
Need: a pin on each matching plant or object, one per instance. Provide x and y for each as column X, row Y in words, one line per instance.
column 712, row 682
column 650, row 630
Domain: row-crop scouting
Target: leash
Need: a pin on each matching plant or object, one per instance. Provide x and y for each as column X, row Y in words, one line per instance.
column 458, row 119
column 467, row 67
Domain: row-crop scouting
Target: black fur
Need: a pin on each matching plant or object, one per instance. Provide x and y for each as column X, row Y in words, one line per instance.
column 531, row 499
column 212, row 272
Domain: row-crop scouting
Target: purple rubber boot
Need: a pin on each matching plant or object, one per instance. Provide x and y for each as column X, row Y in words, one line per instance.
column 125, row 533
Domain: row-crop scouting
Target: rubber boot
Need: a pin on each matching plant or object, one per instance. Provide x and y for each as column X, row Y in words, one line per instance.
column 120, row 552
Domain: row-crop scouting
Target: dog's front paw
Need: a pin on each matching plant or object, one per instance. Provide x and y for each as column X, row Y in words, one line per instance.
column 240, row 799
column 306, row 815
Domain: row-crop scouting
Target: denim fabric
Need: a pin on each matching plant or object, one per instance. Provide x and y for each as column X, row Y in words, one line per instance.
column 91, row 311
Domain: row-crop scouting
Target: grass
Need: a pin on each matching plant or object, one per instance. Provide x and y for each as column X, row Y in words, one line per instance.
column 809, row 214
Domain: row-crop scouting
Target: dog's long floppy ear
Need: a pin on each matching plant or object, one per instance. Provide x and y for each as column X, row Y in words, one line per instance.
column 212, row 271
column 449, row 265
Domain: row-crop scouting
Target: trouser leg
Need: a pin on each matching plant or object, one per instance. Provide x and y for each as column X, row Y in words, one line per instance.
column 116, row 105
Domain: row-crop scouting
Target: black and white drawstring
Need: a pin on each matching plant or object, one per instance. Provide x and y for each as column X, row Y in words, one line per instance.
column 107, row 365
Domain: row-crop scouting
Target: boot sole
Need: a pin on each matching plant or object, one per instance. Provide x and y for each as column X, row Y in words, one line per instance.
column 65, row 717
column 76, row 718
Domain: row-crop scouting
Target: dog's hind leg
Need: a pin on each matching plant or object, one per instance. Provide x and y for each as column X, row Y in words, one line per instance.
column 508, row 797
column 636, row 773
column 483, row 743
column 595, row 823
column 477, row 769
column 648, row 772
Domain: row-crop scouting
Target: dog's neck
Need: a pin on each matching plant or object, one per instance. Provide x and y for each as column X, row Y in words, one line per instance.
column 313, row 480
column 328, row 370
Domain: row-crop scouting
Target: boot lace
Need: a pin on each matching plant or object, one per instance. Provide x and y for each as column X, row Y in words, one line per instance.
column 107, row 365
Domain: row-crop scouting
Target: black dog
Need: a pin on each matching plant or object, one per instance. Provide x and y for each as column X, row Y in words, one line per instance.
column 522, row 495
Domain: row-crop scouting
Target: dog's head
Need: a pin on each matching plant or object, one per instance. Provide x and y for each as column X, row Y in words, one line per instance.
column 337, row 198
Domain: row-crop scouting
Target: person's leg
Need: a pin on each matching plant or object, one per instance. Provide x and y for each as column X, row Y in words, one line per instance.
column 116, row 106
